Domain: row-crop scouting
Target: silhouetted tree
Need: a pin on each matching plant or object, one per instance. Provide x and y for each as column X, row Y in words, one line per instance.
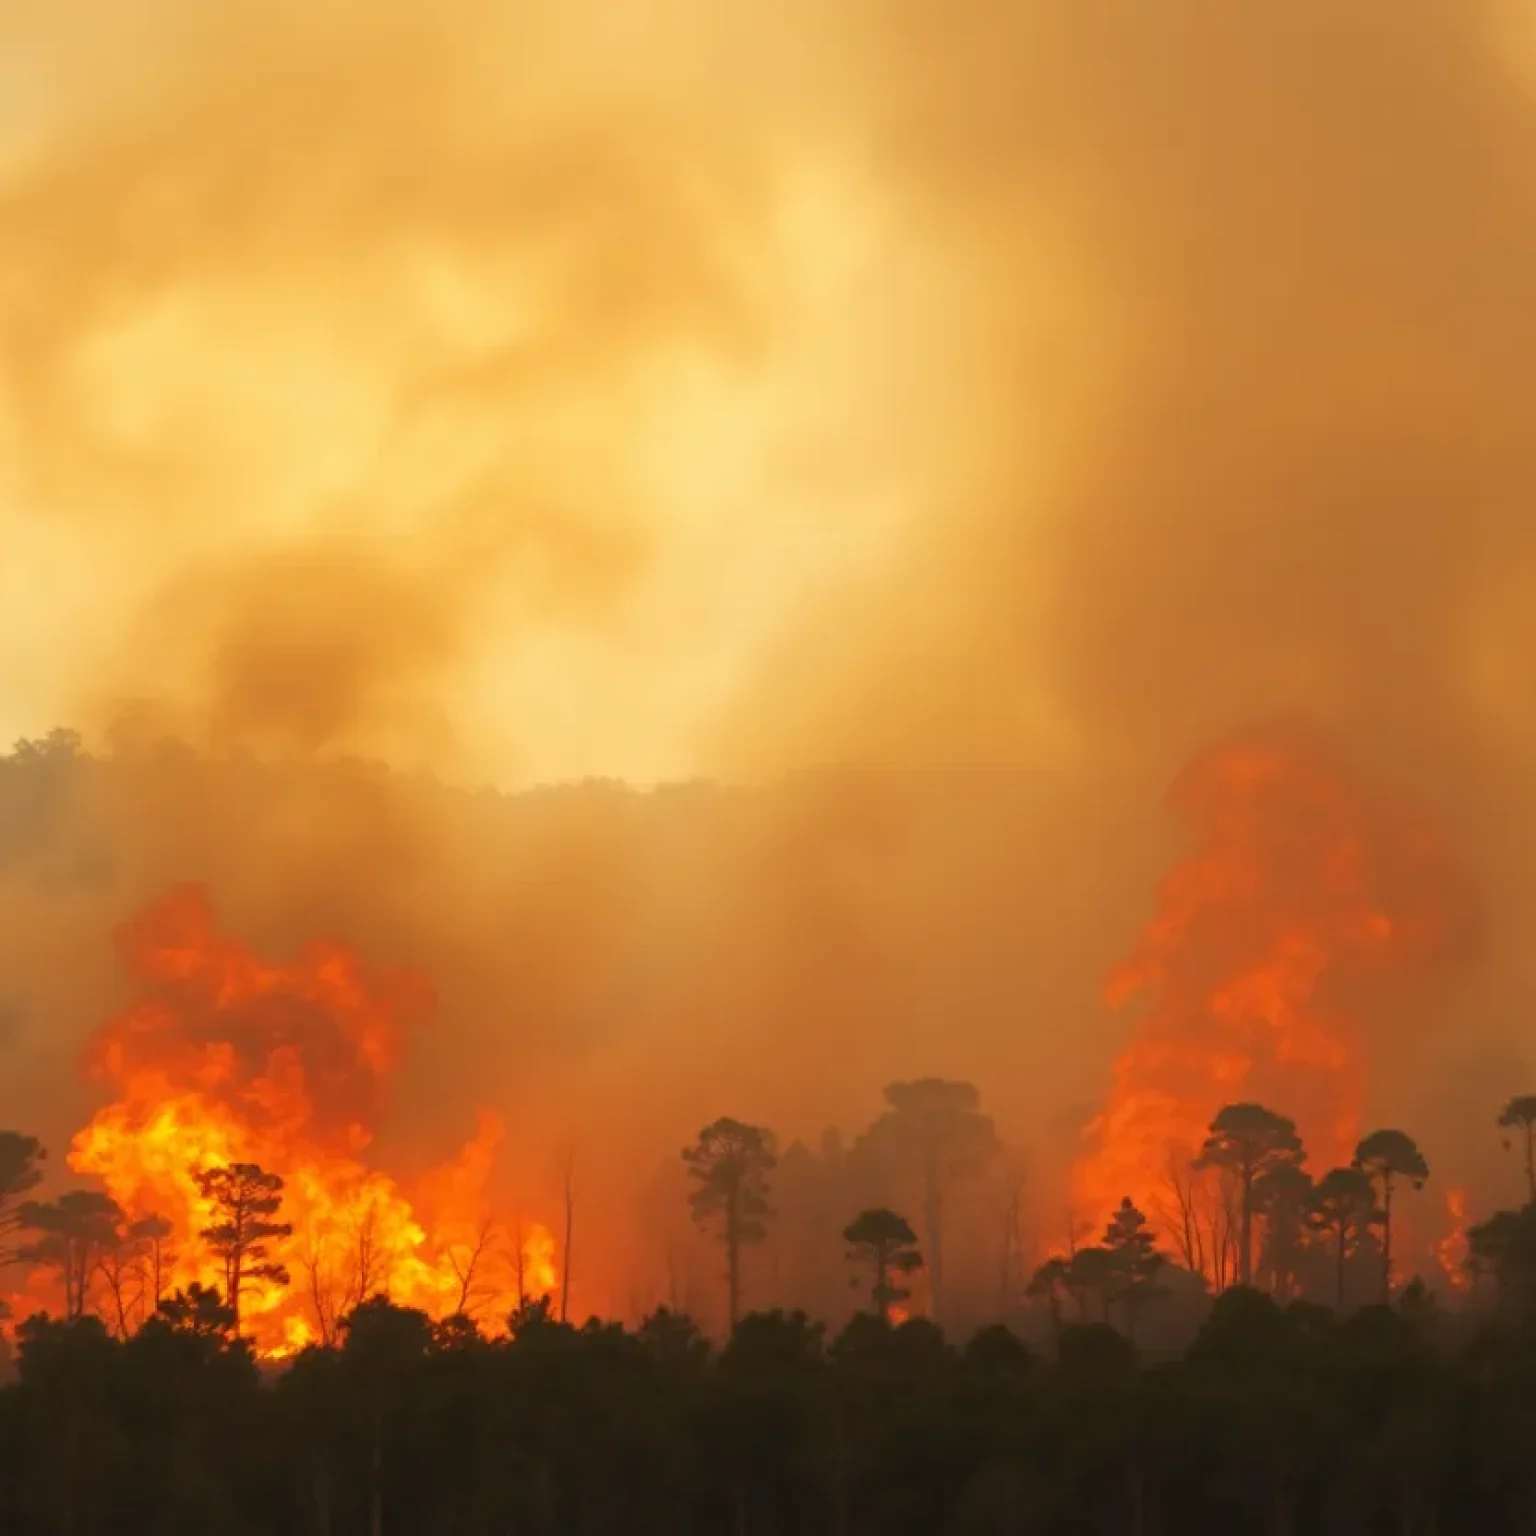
column 936, row 1128
column 1249, row 1141
column 730, row 1164
column 1282, row 1198
column 1051, row 1283
column 1133, row 1263
column 73, row 1232
column 538, row 1312
column 1343, row 1205
column 1091, row 1273
column 468, row 1261
column 136, row 1268
column 674, row 1338
column 69, row 1432
column 568, row 1205
column 1504, row 1246
column 21, row 1159
column 245, row 1198
column 884, row 1241
column 198, row 1310
column 153, row 1235
column 1519, row 1114
column 383, row 1347
column 1386, row 1156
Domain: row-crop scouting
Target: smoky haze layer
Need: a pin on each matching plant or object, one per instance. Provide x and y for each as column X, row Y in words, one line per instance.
column 527, row 393
column 504, row 388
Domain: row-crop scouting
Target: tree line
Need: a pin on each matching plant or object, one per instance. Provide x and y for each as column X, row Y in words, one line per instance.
column 1244, row 1210
column 1274, row 1418
column 1275, row 1412
column 85, row 1237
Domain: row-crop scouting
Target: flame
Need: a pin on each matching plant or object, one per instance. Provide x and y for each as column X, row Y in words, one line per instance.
column 224, row 1057
column 1300, row 892
column 1451, row 1251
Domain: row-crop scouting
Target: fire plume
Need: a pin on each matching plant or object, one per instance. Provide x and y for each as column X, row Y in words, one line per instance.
column 1300, row 895
column 224, row 1057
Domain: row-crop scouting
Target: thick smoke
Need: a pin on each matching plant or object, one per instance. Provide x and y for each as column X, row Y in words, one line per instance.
column 524, row 392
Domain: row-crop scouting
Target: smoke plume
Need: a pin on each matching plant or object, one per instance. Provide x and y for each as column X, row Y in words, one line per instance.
column 1002, row 402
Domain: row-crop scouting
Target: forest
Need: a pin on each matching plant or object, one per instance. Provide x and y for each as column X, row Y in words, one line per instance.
column 1254, row 1359
column 793, row 788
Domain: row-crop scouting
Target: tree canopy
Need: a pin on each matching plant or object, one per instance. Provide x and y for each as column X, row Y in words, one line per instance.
column 888, row 1245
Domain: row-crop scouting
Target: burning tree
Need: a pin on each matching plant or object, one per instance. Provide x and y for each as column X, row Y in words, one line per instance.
column 244, row 1198
column 886, row 1242
column 730, row 1164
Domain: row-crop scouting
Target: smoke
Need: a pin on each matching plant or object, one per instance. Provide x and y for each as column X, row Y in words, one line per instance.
column 523, row 392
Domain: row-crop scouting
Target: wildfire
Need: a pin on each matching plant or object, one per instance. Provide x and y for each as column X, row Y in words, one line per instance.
column 1301, row 892
column 1451, row 1251
column 226, row 1058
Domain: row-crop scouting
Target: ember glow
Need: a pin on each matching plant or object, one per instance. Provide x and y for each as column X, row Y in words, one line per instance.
column 1451, row 1251
column 1301, row 896
column 225, row 1058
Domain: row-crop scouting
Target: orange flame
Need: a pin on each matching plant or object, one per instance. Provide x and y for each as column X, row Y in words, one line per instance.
column 1451, row 1251
column 227, row 1058
column 1300, row 891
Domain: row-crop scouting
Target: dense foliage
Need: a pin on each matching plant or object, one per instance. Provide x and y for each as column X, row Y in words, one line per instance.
column 1274, row 1419
column 1256, row 1409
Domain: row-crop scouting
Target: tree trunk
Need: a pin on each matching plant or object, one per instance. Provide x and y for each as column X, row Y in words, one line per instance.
column 882, row 1294
column 1386, row 1239
column 733, row 1264
column 321, row 1494
column 1247, row 1257
column 375, row 1482
column 933, row 1220
column 565, row 1263
column 232, row 1279
column 570, row 1214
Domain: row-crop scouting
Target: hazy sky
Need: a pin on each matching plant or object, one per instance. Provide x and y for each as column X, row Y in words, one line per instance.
column 538, row 390
column 479, row 382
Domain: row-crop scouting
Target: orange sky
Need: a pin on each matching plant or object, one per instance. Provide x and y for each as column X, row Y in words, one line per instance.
column 536, row 391
column 533, row 377
column 531, row 390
